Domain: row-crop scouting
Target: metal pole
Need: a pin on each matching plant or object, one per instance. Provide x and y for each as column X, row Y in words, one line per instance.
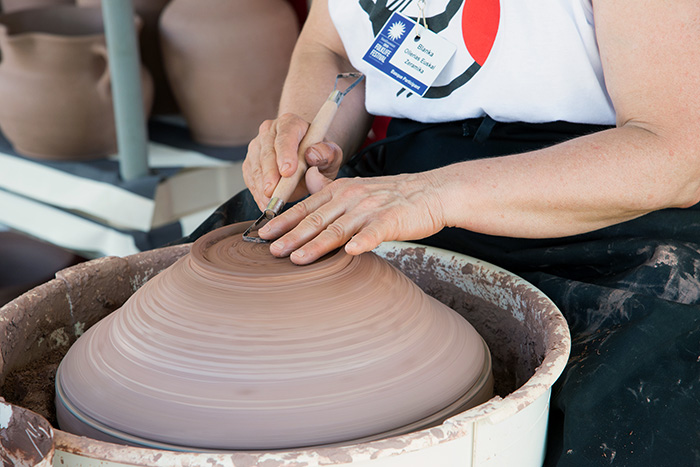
column 125, row 72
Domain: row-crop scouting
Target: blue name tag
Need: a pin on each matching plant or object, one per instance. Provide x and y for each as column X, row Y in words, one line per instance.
column 409, row 54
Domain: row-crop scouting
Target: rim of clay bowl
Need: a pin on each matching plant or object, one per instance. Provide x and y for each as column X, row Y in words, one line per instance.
column 473, row 394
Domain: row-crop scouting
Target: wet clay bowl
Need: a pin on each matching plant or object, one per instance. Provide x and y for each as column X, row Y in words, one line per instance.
column 231, row 348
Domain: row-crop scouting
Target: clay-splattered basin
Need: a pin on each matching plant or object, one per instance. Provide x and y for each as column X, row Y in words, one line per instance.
column 527, row 335
column 25, row 437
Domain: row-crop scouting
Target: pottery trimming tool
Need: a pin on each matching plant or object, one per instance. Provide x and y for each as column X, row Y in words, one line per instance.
column 315, row 134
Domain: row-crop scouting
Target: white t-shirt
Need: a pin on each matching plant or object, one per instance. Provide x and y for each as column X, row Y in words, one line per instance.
column 516, row 60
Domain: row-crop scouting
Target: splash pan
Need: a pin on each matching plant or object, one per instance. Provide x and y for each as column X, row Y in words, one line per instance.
column 528, row 338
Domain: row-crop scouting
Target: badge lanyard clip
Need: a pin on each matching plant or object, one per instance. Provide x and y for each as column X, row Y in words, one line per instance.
column 421, row 7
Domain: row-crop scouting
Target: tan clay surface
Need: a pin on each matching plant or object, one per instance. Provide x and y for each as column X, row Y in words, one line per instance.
column 226, row 61
column 55, row 84
column 232, row 348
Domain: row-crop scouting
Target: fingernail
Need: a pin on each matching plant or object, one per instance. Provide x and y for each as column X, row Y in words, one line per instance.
column 299, row 254
column 267, row 187
column 286, row 167
column 279, row 246
column 264, row 229
column 315, row 156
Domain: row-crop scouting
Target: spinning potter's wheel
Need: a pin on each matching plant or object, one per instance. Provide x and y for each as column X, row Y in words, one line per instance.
column 232, row 348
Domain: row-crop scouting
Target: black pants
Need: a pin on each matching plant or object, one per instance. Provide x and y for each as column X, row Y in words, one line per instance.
column 630, row 394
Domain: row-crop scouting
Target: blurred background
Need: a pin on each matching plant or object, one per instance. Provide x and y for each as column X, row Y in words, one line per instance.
column 124, row 123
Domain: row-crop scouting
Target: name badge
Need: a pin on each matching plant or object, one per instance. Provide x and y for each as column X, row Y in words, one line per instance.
column 409, row 53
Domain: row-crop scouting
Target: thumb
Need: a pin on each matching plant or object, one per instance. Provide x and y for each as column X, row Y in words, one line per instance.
column 315, row 180
column 327, row 156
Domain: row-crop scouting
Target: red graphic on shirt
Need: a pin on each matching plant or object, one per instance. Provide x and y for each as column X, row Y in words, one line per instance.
column 480, row 19
column 480, row 22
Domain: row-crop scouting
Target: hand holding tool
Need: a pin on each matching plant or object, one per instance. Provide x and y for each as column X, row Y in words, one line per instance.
column 315, row 134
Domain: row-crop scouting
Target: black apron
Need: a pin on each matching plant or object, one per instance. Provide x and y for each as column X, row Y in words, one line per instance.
column 630, row 394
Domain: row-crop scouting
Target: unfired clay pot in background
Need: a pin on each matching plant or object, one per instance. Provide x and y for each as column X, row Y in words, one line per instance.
column 55, row 84
column 10, row 6
column 226, row 61
column 149, row 11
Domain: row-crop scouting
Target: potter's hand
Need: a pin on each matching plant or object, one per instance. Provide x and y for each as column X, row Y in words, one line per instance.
column 360, row 213
column 273, row 154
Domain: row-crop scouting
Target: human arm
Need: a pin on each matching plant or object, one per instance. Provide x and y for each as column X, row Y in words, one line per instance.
column 649, row 161
column 318, row 57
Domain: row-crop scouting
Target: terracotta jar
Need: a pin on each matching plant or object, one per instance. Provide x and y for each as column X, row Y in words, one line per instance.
column 232, row 348
column 226, row 61
column 55, row 84
column 10, row 6
column 149, row 11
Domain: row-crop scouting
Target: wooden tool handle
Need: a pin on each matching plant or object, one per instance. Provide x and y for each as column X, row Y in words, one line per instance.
column 315, row 134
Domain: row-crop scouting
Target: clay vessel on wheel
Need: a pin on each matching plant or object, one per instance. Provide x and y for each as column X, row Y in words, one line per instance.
column 232, row 348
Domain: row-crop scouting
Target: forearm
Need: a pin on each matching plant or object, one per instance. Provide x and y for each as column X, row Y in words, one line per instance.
column 318, row 58
column 578, row 186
